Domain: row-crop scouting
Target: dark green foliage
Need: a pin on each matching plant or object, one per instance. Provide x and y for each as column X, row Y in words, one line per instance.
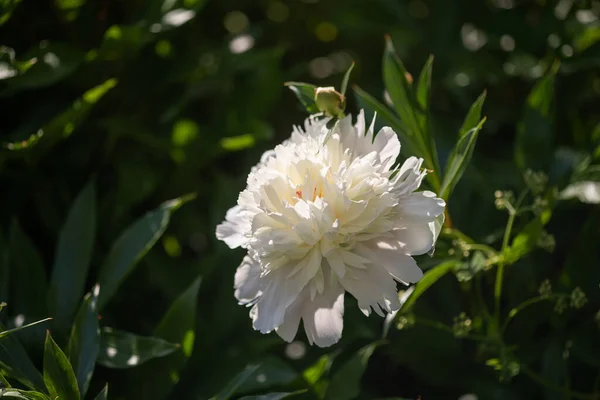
column 111, row 108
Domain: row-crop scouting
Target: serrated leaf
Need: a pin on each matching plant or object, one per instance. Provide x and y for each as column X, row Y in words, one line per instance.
column 345, row 384
column 368, row 102
column 58, row 373
column 14, row 359
column 84, row 341
column 535, row 133
column 473, row 116
column 28, row 275
column 459, row 160
column 305, row 92
column 103, row 395
column 126, row 350
column 131, row 246
column 429, row 278
column 235, row 383
column 72, row 258
column 346, row 79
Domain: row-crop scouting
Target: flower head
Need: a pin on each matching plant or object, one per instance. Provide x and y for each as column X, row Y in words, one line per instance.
column 319, row 220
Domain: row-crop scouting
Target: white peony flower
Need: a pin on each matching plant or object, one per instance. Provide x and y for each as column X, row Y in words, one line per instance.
column 319, row 220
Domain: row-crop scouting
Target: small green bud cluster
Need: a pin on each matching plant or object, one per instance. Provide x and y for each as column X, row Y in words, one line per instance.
column 546, row 241
column 545, row 289
column 578, row 298
column 504, row 199
column 406, row 321
column 536, row 181
column 463, row 325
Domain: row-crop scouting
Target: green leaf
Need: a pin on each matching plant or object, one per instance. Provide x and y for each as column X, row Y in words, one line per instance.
column 14, row 360
column 272, row 372
column 84, row 341
column 28, row 275
column 4, row 270
column 535, row 133
column 305, row 92
column 273, row 396
column 73, row 256
column 235, row 383
column 459, row 160
column 473, row 116
column 54, row 62
column 368, row 102
column 126, row 350
column 424, row 85
column 58, row 373
column 103, row 395
column 3, row 381
column 345, row 384
column 429, row 278
column 7, row 9
column 8, row 332
column 346, row 79
column 177, row 326
column 23, row 394
column 399, row 88
column 131, row 246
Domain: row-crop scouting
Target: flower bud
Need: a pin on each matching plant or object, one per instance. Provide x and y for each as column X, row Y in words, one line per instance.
column 329, row 101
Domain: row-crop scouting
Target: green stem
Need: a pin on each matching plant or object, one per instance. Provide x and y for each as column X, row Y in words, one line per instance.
column 512, row 213
column 539, row 379
column 513, row 313
column 442, row 327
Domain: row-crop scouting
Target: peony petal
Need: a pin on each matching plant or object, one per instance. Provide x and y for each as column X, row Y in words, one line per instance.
column 387, row 145
column 287, row 331
column 247, row 281
column 415, row 239
column 373, row 287
column 278, row 294
column 232, row 231
column 323, row 317
column 389, row 254
column 421, row 206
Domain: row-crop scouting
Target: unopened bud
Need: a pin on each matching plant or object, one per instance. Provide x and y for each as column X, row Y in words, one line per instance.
column 330, row 102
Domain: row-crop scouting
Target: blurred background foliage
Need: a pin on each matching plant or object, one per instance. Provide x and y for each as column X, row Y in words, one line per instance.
column 118, row 106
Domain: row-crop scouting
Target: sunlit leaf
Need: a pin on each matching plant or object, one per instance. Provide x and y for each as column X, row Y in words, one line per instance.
column 23, row 394
column 126, row 350
column 58, row 373
column 429, row 278
column 305, row 92
column 131, row 246
column 6, row 10
column 84, row 341
column 473, row 117
column 72, row 258
column 368, row 102
column 238, row 142
column 53, row 62
column 346, row 79
column 459, row 160
column 345, row 384
column 10, row 331
column 424, row 85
